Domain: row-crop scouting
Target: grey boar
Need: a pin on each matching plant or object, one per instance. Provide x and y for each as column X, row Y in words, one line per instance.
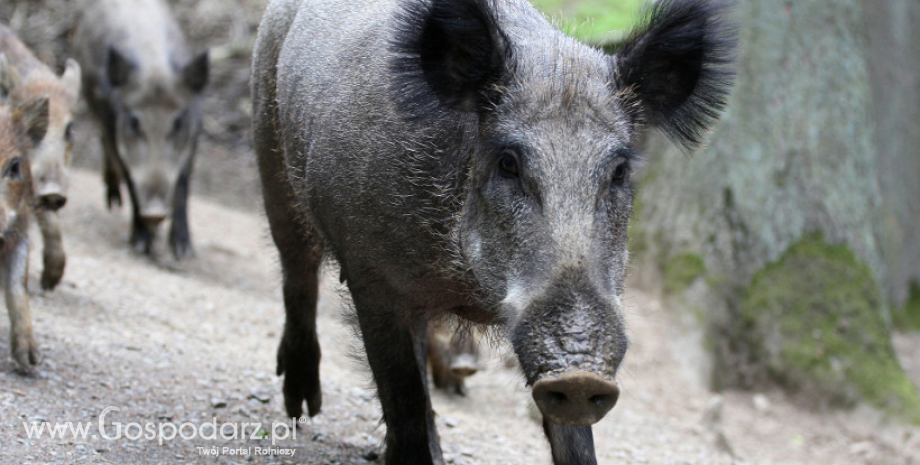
column 22, row 128
column 453, row 357
column 144, row 89
column 22, row 78
column 465, row 157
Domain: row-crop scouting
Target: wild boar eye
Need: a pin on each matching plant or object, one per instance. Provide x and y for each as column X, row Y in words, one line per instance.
column 621, row 173
column 508, row 165
column 178, row 123
column 134, row 123
column 68, row 132
column 13, row 169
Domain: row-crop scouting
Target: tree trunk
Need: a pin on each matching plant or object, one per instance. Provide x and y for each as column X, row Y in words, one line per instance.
column 894, row 71
column 775, row 235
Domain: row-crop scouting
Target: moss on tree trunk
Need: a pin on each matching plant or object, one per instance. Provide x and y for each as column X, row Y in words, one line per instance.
column 813, row 315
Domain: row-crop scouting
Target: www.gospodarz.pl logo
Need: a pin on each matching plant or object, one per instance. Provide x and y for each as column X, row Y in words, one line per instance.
column 161, row 432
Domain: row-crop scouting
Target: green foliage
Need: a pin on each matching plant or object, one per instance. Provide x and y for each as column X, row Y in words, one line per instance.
column 592, row 21
column 908, row 317
column 680, row 271
column 816, row 314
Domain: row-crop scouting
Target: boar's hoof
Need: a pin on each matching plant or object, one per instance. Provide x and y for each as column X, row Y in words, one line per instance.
column 27, row 355
column 181, row 245
column 113, row 197
column 575, row 399
column 51, row 277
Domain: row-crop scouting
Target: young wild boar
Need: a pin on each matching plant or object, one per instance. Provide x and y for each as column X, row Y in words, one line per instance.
column 22, row 128
column 22, row 78
column 464, row 156
column 453, row 357
column 144, row 89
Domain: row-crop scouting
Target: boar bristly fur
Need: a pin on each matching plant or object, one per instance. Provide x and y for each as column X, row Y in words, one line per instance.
column 464, row 157
column 144, row 88
column 22, row 78
column 21, row 128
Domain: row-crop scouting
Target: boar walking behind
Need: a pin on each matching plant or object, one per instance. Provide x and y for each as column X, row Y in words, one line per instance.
column 22, row 128
column 144, row 89
column 464, row 156
column 22, row 78
column 453, row 357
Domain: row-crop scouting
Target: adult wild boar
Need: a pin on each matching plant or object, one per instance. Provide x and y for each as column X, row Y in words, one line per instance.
column 144, row 89
column 464, row 156
column 22, row 128
column 22, row 78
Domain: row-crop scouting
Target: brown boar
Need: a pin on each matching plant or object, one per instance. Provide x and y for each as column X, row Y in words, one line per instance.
column 453, row 357
column 22, row 78
column 22, row 128
column 144, row 89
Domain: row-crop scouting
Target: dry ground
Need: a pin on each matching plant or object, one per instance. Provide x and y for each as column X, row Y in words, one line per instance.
column 173, row 343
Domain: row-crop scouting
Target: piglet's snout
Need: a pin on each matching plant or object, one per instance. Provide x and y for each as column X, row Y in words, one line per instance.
column 576, row 398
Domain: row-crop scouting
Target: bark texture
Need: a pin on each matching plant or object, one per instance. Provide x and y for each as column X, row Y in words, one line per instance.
column 793, row 161
column 894, row 70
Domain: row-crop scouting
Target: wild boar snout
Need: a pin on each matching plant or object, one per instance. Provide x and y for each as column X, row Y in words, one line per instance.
column 570, row 340
column 576, row 398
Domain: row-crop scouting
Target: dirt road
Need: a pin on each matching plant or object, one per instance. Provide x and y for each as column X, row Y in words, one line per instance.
column 168, row 344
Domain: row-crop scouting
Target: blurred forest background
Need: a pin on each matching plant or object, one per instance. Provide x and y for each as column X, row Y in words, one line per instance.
column 789, row 247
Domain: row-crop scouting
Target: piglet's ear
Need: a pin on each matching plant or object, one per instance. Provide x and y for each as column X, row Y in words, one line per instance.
column 118, row 68
column 459, row 47
column 72, row 79
column 676, row 69
column 195, row 73
column 32, row 117
column 9, row 78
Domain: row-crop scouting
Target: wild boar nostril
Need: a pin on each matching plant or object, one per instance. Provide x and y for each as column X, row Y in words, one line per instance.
column 575, row 399
column 602, row 400
column 53, row 202
column 556, row 397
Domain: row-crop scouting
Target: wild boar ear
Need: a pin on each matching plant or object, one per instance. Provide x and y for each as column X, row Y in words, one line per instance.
column 32, row 117
column 460, row 50
column 9, row 78
column 119, row 68
column 676, row 69
column 72, row 79
column 195, row 73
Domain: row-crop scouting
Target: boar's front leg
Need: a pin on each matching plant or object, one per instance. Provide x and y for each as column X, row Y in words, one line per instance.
column 111, row 175
column 111, row 169
column 180, row 240
column 142, row 236
column 571, row 445
column 396, row 350
column 22, row 341
column 53, row 255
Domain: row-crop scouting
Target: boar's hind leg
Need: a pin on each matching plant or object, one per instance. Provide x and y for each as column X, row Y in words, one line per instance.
column 53, row 255
column 571, row 445
column 299, row 352
column 397, row 358
column 180, row 240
